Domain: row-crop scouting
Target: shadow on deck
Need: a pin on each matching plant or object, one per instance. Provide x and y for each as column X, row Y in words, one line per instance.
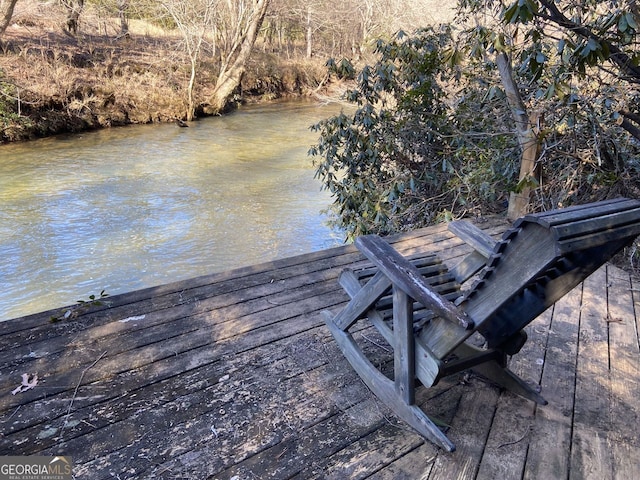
column 235, row 375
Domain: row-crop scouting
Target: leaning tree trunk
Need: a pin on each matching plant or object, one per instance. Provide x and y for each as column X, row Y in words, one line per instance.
column 6, row 12
column 74, row 9
column 231, row 72
column 519, row 201
column 123, row 5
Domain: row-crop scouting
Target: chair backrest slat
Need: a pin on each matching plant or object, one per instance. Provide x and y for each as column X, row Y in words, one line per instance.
column 543, row 258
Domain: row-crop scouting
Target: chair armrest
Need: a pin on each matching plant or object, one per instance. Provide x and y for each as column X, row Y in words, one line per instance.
column 405, row 276
column 473, row 236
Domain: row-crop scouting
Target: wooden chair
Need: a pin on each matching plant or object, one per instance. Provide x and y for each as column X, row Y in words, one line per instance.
column 422, row 310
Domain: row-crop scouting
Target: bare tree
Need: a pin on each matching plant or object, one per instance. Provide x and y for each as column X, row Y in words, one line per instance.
column 74, row 9
column 344, row 28
column 227, row 29
column 122, row 6
column 237, row 29
column 323, row 24
column 6, row 12
column 193, row 19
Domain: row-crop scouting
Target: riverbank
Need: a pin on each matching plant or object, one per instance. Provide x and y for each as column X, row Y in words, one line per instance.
column 52, row 82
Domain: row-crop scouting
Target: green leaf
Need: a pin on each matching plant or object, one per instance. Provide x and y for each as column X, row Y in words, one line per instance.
column 623, row 25
column 561, row 44
column 631, row 20
column 510, row 14
column 592, row 45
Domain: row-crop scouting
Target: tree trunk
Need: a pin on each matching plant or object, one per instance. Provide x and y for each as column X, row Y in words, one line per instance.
column 192, row 81
column 231, row 72
column 74, row 9
column 309, row 33
column 122, row 13
column 6, row 12
column 519, row 201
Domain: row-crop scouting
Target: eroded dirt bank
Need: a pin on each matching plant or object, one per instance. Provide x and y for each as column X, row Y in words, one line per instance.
column 52, row 82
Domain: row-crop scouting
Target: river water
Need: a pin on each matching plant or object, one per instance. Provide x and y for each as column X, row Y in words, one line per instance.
column 127, row 208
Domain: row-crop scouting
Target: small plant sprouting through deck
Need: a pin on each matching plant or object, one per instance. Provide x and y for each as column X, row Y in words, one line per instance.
column 81, row 307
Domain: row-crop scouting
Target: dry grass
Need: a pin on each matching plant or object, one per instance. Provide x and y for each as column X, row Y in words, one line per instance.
column 96, row 79
column 67, row 83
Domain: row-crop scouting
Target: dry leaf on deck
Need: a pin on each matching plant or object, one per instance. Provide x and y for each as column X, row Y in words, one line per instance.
column 26, row 383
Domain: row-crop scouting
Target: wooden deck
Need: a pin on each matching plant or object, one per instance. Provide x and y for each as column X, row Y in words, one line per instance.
column 235, row 376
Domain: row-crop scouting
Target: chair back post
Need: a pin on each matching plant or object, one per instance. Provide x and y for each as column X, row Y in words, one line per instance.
column 404, row 361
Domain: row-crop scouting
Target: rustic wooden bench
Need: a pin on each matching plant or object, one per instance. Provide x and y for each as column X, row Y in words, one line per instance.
column 428, row 315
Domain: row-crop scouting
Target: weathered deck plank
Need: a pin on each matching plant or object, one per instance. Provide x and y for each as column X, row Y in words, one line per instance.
column 545, row 458
column 507, row 446
column 591, row 422
column 624, row 354
column 235, row 375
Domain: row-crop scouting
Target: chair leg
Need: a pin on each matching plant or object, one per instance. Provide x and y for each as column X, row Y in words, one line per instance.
column 500, row 375
column 385, row 389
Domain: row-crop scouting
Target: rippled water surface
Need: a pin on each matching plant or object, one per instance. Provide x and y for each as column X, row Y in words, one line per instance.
column 127, row 208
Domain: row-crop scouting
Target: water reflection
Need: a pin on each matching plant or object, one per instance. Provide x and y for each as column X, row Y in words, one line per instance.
column 127, row 208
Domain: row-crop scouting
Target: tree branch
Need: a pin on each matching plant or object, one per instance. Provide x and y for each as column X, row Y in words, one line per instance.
column 6, row 12
column 634, row 117
column 616, row 55
column 630, row 127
